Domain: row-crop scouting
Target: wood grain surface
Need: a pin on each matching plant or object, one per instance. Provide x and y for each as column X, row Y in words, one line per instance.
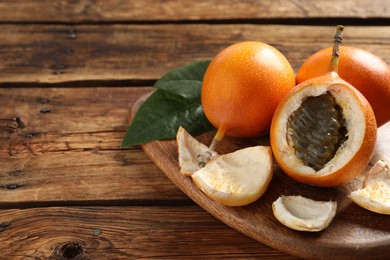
column 74, row 146
column 154, row 10
column 63, row 53
column 125, row 232
column 69, row 73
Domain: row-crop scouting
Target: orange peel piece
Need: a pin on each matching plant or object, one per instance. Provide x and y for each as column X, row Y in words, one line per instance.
column 375, row 194
column 189, row 149
column 303, row 214
column 238, row 178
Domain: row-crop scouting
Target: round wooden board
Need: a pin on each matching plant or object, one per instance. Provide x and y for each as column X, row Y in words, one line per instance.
column 353, row 233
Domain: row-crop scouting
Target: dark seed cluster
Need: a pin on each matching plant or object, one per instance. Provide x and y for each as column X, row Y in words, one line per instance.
column 317, row 129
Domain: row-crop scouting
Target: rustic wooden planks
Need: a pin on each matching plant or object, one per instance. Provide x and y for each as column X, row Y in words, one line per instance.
column 122, row 233
column 71, row 152
column 68, row 110
column 85, row 177
column 154, row 10
column 59, row 144
column 62, row 53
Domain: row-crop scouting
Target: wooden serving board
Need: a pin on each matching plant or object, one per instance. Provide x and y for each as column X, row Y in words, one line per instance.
column 354, row 232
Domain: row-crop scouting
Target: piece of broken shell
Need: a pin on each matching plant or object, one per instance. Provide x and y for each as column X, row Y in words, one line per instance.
column 375, row 194
column 303, row 214
column 189, row 149
column 238, row 178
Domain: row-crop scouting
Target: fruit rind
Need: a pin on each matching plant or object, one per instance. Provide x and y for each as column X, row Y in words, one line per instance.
column 243, row 85
column 375, row 194
column 188, row 149
column 304, row 214
column 238, row 178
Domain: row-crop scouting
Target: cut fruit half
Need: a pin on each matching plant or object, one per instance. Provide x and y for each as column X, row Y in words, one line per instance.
column 375, row 194
column 324, row 131
column 238, row 178
column 303, row 214
column 189, row 149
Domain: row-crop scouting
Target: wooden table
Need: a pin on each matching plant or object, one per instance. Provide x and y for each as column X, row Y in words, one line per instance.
column 69, row 73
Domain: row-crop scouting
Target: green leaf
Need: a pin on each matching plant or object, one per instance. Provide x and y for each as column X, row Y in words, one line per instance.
column 175, row 102
column 185, row 81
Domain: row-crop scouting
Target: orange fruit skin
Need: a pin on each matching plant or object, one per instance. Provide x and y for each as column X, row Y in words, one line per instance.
column 357, row 163
column 362, row 69
column 242, row 87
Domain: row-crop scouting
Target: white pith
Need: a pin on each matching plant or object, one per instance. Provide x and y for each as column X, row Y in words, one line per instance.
column 355, row 124
column 375, row 194
column 189, row 148
column 238, row 178
column 304, row 214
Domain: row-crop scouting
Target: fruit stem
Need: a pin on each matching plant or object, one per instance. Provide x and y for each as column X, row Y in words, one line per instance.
column 206, row 156
column 334, row 62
